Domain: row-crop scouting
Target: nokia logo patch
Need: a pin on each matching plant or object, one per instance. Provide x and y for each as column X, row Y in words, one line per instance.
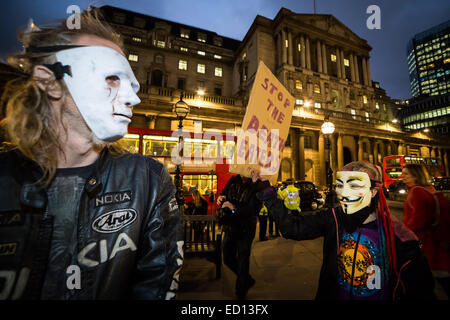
column 112, row 197
column 114, row 220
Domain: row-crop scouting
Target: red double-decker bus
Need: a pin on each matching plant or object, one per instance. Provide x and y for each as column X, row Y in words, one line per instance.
column 204, row 164
column 393, row 165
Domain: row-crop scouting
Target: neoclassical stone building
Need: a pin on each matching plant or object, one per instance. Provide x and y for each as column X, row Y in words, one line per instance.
column 324, row 65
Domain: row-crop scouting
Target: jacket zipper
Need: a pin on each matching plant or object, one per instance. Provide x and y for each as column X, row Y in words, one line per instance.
column 354, row 264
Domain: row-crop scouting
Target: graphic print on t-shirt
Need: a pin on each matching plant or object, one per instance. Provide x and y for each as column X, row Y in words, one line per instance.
column 362, row 259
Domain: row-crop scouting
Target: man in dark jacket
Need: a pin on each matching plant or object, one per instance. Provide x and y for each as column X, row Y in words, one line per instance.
column 79, row 217
column 240, row 209
column 367, row 254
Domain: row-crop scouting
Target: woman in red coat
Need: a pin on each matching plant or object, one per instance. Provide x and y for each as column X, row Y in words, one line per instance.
column 419, row 216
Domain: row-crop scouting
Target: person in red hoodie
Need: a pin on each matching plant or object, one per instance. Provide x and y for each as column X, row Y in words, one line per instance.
column 420, row 215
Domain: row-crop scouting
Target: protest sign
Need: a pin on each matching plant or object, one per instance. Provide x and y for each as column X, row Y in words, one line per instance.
column 261, row 140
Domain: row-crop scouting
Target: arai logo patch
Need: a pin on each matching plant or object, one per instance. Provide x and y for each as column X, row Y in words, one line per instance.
column 114, row 220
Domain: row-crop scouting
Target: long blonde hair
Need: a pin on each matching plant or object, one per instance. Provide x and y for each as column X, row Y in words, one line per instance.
column 31, row 122
column 197, row 198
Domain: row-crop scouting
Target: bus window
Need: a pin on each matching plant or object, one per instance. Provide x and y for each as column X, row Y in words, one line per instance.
column 158, row 146
column 131, row 142
column 202, row 182
column 394, row 173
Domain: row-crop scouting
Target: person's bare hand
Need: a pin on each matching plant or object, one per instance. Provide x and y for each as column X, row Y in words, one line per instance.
column 220, row 199
column 254, row 174
column 228, row 204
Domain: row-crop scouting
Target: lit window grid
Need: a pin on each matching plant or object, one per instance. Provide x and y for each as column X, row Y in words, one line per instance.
column 201, row 68
column 218, row 72
column 182, row 64
column 133, row 57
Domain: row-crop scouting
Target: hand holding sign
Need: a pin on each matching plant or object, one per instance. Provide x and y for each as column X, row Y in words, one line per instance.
column 265, row 127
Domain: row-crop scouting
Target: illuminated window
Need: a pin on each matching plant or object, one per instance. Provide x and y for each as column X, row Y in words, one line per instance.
column 316, row 88
column 201, row 37
column 182, row 64
column 346, row 62
column 216, row 56
column 353, row 112
column 201, row 68
column 202, row 53
column 333, row 57
column 286, row 43
column 365, row 99
column 136, row 39
column 377, row 106
column 299, row 47
column 317, row 105
column 299, row 102
column 184, row 49
column 298, row 85
column 244, row 55
column 184, row 33
column 133, row 57
column 218, row 71
column 160, row 44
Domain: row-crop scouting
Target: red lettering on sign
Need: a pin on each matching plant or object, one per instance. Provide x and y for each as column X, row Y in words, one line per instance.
column 265, row 85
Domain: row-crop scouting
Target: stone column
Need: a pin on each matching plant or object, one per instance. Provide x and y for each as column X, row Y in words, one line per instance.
column 360, row 149
column 319, row 56
column 279, row 49
column 364, row 70
column 356, row 69
column 342, row 65
column 323, row 173
column 308, row 54
column 301, row 151
column 340, row 152
column 389, row 149
column 369, row 78
column 338, row 64
column 283, row 46
column 447, row 169
column 290, row 48
column 352, row 67
column 375, row 152
column 302, row 51
column 324, row 58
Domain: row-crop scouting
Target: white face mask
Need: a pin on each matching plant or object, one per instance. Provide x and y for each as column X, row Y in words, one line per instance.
column 106, row 110
column 353, row 190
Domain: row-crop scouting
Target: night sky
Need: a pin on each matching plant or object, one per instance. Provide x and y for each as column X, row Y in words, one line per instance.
column 400, row 21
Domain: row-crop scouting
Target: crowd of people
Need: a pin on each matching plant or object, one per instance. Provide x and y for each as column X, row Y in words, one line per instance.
column 74, row 204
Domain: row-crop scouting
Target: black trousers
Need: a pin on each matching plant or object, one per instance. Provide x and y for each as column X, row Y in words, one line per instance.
column 236, row 255
column 272, row 222
column 263, row 227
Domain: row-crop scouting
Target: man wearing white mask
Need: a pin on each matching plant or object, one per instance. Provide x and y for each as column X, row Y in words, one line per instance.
column 367, row 254
column 81, row 218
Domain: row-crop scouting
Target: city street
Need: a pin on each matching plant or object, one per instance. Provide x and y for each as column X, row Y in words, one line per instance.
column 283, row 270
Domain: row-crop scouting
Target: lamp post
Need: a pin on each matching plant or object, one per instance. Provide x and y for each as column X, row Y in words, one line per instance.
column 328, row 129
column 181, row 110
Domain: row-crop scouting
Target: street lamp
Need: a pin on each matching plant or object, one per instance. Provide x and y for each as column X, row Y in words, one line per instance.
column 327, row 130
column 181, row 109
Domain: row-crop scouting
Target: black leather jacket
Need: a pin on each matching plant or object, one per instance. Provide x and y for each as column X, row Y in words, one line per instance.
column 128, row 235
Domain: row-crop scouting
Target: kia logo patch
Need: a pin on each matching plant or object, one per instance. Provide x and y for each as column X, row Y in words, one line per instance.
column 114, row 220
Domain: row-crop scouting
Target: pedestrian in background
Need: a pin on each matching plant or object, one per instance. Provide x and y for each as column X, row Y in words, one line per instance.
column 262, row 223
column 239, row 209
column 425, row 211
column 291, row 198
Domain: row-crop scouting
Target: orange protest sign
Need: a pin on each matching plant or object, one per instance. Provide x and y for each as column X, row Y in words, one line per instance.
column 261, row 140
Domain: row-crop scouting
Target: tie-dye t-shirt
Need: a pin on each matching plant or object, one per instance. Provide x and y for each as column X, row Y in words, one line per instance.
column 361, row 272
